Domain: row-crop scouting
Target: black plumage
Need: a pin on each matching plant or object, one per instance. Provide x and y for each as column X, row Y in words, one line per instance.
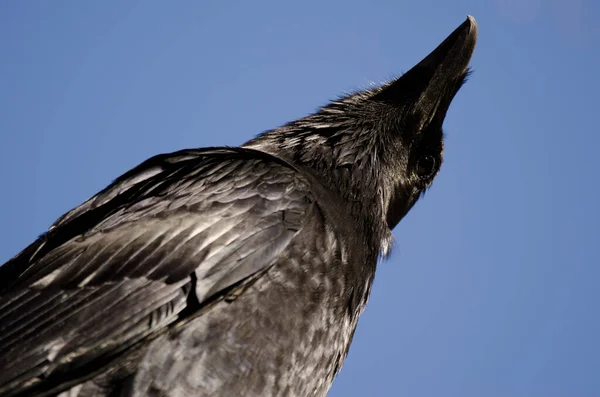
column 229, row 271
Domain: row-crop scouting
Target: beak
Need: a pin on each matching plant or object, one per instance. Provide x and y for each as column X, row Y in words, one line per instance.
column 429, row 87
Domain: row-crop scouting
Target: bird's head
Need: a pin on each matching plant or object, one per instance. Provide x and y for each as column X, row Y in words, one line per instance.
column 382, row 146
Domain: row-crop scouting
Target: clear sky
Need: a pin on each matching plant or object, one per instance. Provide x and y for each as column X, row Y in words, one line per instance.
column 493, row 287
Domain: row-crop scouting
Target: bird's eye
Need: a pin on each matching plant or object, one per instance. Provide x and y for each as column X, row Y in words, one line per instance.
column 426, row 166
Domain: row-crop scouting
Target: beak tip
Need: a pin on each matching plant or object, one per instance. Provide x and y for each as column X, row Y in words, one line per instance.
column 471, row 25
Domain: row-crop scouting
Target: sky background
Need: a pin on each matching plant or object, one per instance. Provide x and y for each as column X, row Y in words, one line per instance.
column 492, row 289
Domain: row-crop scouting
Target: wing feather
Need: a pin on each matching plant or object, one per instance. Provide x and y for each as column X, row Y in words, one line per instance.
column 119, row 268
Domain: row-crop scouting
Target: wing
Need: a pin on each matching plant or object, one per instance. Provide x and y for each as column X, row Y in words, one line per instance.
column 174, row 232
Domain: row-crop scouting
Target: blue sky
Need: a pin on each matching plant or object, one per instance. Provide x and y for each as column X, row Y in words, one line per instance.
column 492, row 289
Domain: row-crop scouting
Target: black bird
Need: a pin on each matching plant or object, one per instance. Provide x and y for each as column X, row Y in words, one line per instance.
column 229, row 271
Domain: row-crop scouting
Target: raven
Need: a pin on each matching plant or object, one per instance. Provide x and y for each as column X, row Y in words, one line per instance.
column 229, row 271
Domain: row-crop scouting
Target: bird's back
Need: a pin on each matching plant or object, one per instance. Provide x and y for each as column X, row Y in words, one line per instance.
column 210, row 272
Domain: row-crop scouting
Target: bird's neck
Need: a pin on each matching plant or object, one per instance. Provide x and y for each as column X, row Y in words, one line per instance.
column 344, row 165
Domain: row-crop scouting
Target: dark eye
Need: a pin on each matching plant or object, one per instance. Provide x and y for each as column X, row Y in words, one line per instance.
column 426, row 166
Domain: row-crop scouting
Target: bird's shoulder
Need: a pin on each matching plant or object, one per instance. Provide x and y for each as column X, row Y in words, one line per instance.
column 192, row 190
